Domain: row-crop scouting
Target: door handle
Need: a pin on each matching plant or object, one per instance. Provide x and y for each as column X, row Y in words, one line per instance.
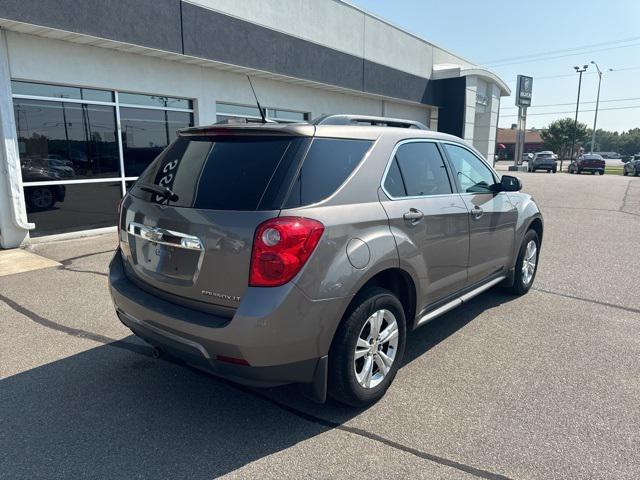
column 413, row 215
column 477, row 212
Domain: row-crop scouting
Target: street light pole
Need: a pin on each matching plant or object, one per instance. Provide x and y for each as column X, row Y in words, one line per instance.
column 595, row 118
column 575, row 122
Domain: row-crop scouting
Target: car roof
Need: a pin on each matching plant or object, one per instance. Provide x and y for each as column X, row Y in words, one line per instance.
column 364, row 132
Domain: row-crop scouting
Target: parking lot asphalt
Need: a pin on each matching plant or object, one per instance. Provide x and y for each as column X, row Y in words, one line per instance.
column 542, row 386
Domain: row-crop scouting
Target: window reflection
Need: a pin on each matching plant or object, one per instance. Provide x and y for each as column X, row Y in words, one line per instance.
column 65, row 141
column 65, row 208
column 145, row 133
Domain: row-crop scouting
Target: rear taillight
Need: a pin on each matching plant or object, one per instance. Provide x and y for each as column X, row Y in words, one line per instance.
column 280, row 248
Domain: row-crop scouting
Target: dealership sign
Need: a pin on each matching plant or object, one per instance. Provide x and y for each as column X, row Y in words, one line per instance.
column 523, row 93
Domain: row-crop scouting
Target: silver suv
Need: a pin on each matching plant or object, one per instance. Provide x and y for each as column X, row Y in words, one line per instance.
column 306, row 253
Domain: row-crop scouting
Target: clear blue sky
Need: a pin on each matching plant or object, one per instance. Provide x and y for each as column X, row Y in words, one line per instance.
column 483, row 32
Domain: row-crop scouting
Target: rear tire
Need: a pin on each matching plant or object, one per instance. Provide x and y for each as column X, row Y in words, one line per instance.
column 350, row 358
column 554, row 169
column 525, row 272
column 625, row 173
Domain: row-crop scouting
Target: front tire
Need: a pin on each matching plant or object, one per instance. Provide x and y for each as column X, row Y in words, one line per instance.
column 526, row 264
column 367, row 348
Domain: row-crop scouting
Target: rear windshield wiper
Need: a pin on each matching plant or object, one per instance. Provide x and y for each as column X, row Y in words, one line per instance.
column 164, row 192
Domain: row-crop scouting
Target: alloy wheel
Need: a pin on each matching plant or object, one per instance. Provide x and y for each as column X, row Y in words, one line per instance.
column 529, row 262
column 42, row 198
column 376, row 348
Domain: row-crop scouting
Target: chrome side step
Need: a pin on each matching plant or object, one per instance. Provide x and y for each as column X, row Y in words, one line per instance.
column 458, row 301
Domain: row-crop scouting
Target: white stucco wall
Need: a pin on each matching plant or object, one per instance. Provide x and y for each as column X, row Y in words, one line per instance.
column 45, row 60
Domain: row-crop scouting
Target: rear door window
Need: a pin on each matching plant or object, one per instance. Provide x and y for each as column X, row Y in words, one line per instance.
column 417, row 170
column 327, row 165
column 472, row 174
column 223, row 173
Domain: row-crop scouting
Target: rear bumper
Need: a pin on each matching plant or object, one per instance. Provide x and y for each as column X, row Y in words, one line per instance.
column 279, row 332
column 544, row 165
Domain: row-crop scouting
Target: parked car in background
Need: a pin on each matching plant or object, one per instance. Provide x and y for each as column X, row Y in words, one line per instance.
column 632, row 167
column 608, row 155
column 41, row 197
column 546, row 160
column 589, row 162
column 307, row 253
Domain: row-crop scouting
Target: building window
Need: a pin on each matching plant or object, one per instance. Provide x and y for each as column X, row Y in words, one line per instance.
column 69, row 144
column 228, row 111
column 145, row 133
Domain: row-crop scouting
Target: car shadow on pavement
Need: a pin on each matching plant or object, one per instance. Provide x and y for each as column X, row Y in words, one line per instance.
column 114, row 413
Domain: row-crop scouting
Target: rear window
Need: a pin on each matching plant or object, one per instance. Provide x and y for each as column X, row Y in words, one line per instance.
column 327, row 165
column 223, row 173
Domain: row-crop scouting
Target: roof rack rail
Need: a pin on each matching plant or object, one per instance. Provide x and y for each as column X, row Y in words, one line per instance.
column 343, row 119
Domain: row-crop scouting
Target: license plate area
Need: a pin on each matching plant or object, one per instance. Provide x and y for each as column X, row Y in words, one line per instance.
column 165, row 263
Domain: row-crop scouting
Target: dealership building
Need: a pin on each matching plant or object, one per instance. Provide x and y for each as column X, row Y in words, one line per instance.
column 92, row 91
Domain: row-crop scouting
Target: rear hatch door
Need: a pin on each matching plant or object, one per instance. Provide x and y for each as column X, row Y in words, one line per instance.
column 197, row 245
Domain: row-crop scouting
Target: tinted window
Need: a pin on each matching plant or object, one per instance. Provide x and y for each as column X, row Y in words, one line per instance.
column 219, row 173
column 153, row 100
column 44, row 90
column 473, row 175
column 393, row 183
column 327, row 165
column 66, row 141
column 145, row 133
column 65, row 208
column 417, row 169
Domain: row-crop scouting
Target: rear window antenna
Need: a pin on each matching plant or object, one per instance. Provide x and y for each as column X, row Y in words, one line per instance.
column 262, row 114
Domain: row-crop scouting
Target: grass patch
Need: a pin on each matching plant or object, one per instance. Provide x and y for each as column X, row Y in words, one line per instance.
column 613, row 170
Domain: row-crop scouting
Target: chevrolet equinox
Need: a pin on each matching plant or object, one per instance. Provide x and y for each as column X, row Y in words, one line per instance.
column 307, row 253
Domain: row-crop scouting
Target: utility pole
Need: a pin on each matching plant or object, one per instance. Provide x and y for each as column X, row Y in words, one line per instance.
column 595, row 118
column 575, row 122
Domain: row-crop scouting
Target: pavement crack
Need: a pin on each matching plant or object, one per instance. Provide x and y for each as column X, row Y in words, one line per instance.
column 625, row 199
column 94, row 272
column 589, row 300
column 70, row 260
column 478, row 472
column 71, row 331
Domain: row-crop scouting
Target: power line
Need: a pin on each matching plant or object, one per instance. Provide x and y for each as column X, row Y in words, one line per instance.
column 562, row 56
column 572, row 111
column 567, row 75
column 581, row 103
column 571, row 49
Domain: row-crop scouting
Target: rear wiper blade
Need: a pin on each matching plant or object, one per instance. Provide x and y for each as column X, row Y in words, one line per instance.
column 164, row 192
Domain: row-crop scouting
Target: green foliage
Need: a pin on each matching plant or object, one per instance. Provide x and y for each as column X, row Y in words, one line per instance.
column 625, row 143
column 558, row 136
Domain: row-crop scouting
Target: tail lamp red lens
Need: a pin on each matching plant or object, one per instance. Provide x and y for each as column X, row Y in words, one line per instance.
column 280, row 249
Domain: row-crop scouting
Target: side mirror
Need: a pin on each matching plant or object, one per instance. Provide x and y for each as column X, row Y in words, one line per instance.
column 509, row 183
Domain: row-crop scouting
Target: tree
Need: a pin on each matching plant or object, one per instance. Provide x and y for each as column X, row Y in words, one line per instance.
column 630, row 142
column 558, row 136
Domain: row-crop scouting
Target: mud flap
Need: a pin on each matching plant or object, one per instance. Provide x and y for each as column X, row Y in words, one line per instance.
column 317, row 389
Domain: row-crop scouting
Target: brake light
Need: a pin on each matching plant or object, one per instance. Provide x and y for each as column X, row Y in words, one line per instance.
column 281, row 247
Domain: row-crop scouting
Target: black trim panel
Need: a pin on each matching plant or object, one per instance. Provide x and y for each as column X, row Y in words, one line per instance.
column 215, row 36
column 149, row 23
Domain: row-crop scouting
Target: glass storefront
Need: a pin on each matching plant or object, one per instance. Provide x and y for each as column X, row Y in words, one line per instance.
column 229, row 111
column 70, row 144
